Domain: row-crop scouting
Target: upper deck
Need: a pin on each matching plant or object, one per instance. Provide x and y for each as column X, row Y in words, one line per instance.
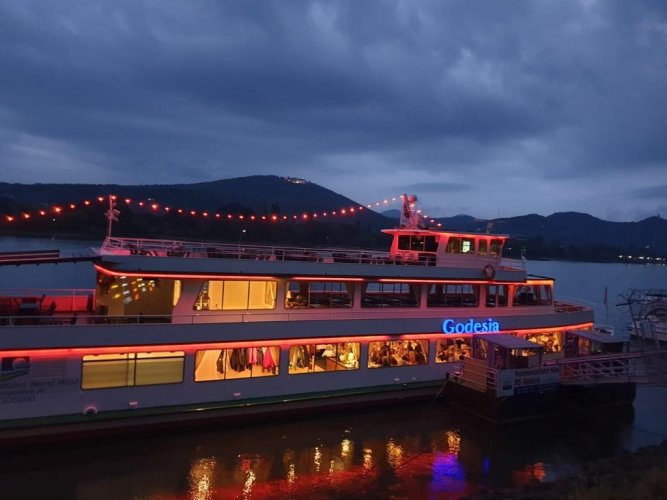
column 125, row 255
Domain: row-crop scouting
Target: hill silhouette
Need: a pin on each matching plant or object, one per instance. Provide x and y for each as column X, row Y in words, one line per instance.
column 569, row 235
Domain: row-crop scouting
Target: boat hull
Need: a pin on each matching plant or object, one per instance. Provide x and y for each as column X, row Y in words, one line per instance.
column 522, row 407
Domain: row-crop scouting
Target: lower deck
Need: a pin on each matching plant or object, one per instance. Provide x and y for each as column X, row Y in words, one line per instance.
column 111, row 383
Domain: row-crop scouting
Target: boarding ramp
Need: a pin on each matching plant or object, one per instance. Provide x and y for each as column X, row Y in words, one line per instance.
column 648, row 367
column 48, row 257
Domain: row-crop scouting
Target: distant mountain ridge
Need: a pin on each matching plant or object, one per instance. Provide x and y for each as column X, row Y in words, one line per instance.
column 257, row 192
column 648, row 236
column 265, row 194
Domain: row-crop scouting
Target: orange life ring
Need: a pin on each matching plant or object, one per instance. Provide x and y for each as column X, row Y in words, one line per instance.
column 489, row 272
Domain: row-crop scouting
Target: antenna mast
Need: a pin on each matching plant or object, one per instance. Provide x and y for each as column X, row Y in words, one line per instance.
column 111, row 214
column 409, row 216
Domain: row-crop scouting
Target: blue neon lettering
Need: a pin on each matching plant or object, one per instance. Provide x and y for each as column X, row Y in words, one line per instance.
column 470, row 326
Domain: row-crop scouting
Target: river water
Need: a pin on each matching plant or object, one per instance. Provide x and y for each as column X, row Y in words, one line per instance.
column 418, row 450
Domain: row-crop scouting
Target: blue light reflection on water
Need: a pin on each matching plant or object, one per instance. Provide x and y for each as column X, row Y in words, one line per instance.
column 448, row 474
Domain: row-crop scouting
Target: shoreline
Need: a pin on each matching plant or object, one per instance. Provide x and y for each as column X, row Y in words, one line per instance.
column 638, row 474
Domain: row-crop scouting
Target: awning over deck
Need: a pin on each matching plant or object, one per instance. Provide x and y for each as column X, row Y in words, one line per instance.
column 508, row 341
column 597, row 336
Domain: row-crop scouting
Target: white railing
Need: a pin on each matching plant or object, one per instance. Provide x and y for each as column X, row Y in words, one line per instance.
column 174, row 248
column 567, row 304
column 608, row 368
column 477, row 375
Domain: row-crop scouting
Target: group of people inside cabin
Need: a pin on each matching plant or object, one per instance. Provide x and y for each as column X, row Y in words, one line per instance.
column 451, row 350
column 308, row 358
column 548, row 340
column 397, row 353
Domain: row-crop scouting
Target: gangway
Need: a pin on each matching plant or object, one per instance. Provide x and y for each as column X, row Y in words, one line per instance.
column 648, row 367
column 48, row 257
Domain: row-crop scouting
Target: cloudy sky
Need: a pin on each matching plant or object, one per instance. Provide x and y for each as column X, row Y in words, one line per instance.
column 491, row 108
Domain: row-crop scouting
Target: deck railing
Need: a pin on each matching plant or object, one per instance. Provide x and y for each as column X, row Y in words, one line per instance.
column 174, row 248
column 567, row 305
column 38, row 302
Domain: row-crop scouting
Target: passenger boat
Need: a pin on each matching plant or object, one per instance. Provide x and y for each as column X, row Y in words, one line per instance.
column 177, row 330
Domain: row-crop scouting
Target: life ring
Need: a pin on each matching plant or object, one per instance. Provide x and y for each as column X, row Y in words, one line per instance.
column 489, row 272
column 90, row 410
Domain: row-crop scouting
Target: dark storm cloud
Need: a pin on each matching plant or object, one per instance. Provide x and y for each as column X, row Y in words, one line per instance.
column 506, row 97
column 652, row 192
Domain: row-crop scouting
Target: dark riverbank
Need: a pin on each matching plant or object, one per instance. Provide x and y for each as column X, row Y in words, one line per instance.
column 642, row 474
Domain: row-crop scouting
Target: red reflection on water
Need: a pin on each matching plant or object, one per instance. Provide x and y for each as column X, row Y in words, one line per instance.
column 530, row 474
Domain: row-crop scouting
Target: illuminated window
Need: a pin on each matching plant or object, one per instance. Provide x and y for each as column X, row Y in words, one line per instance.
column 551, row 341
column 241, row 362
column 132, row 369
column 235, row 295
column 318, row 358
column 377, row 294
column 177, row 292
column 159, row 368
column 216, row 295
column 453, row 295
column 315, row 294
column 451, row 350
column 386, row 354
column 457, row 244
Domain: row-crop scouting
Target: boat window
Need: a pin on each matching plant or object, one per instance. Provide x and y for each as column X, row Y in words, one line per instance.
column 551, row 341
column 375, row 294
column 318, row 294
column 177, row 292
column 430, row 244
column 496, row 295
column 480, row 348
column 451, row 350
column 496, row 246
column 482, row 247
column 159, row 368
column 453, row 295
column 130, row 369
column 532, row 295
column 457, row 244
column 524, row 358
column 418, row 243
column 319, row 358
column 241, row 362
column 453, row 245
column 391, row 353
column 217, row 295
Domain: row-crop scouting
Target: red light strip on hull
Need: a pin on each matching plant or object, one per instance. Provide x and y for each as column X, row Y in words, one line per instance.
column 149, row 274
column 80, row 351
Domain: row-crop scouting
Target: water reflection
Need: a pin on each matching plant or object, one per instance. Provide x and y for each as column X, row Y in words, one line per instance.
column 201, row 478
column 414, row 453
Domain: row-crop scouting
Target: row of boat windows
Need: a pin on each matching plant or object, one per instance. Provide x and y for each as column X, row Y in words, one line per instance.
column 141, row 369
column 455, row 244
column 218, row 295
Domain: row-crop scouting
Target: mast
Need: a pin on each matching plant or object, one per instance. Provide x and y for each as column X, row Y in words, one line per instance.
column 409, row 216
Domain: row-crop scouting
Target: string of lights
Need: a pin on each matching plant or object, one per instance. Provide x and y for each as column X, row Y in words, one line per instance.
column 154, row 207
